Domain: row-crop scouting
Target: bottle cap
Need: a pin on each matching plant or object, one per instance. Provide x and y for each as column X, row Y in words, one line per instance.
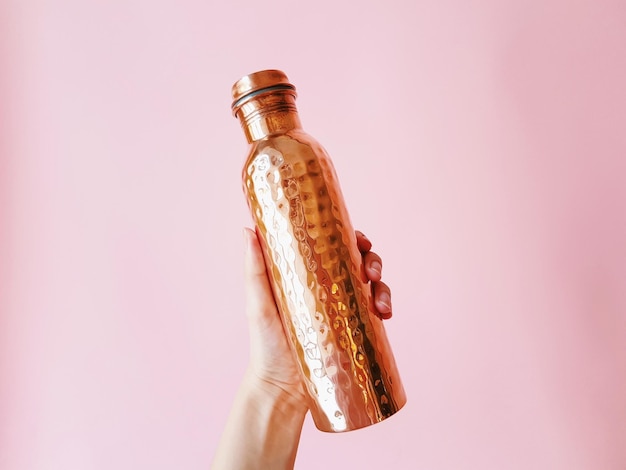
column 257, row 83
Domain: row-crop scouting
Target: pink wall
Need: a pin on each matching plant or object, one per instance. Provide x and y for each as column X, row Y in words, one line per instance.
column 481, row 146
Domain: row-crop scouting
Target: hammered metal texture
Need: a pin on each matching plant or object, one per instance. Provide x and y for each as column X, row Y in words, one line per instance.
column 315, row 268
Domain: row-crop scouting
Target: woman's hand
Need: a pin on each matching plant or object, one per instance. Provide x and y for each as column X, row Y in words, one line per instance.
column 271, row 362
column 263, row 429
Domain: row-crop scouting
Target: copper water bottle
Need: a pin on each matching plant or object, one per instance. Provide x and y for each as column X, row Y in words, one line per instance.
column 313, row 261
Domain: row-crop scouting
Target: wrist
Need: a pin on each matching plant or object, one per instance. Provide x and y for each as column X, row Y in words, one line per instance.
column 283, row 398
column 264, row 428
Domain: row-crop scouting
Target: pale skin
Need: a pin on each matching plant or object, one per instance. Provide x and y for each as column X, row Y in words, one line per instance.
column 265, row 422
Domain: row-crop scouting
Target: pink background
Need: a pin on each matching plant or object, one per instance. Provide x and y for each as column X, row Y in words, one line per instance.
column 481, row 146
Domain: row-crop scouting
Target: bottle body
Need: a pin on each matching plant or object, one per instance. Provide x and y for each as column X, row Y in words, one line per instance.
column 316, row 273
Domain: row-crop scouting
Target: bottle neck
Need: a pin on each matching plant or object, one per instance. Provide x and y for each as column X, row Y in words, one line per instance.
column 268, row 114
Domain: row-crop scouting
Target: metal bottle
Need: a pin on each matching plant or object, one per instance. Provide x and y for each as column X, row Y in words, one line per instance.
column 313, row 261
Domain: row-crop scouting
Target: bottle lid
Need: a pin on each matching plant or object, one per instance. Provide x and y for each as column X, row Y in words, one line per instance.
column 257, row 83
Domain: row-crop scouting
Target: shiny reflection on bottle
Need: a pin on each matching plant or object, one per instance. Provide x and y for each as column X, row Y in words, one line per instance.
column 313, row 262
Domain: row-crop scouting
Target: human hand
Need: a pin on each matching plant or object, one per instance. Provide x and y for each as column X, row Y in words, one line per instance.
column 272, row 364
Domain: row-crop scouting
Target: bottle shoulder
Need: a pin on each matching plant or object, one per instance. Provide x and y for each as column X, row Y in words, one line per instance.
column 290, row 146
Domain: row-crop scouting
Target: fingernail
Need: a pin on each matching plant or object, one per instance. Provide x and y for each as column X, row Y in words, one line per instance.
column 376, row 266
column 385, row 299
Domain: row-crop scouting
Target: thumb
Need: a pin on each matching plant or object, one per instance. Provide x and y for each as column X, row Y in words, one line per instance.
column 259, row 298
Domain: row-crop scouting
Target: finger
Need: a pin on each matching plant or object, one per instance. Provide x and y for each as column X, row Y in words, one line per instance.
column 373, row 266
column 382, row 299
column 363, row 242
column 259, row 297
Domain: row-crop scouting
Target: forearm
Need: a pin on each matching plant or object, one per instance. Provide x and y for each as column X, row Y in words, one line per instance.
column 263, row 429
